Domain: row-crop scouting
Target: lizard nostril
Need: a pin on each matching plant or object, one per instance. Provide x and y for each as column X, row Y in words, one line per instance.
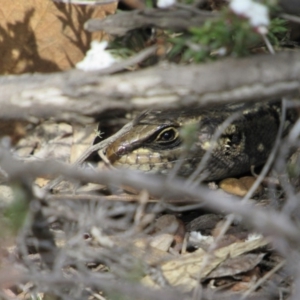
column 114, row 151
column 121, row 151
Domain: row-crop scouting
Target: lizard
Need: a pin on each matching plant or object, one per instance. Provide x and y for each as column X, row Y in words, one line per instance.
column 154, row 144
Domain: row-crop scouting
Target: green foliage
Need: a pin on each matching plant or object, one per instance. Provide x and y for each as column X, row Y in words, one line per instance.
column 293, row 169
column 277, row 30
column 189, row 135
column 119, row 49
column 149, row 3
column 16, row 212
column 229, row 35
column 39, row 297
column 225, row 35
column 130, row 44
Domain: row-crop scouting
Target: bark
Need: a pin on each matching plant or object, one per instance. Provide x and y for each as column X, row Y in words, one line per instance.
column 121, row 23
column 76, row 94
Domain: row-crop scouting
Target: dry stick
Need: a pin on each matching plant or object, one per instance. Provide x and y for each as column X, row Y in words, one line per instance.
column 296, row 277
column 261, row 176
column 268, row 44
column 292, row 199
column 267, row 181
column 131, row 61
column 263, row 279
column 268, row 222
column 110, row 286
column 207, row 154
column 292, row 18
column 257, row 182
column 89, row 197
column 88, row 152
column 114, row 68
column 120, row 24
column 84, row 2
column 76, row 94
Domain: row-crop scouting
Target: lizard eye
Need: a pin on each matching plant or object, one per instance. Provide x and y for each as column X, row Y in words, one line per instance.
column 169, row 134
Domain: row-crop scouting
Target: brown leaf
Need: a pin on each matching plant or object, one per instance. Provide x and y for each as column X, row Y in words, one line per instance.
column 185, row 271
column 45, row 36
column 14, row 129
column 239, row 187
column 237, row 265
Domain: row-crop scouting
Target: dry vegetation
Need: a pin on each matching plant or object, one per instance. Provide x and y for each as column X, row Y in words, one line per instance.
column 72, row 227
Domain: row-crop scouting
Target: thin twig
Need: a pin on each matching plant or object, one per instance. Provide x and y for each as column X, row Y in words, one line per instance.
column 207, row 154
column 292, row 18
column 88, row 152
column 263, row 279
column 268, row 44
column 131, row 61
column 246, row 198
column 268, row 222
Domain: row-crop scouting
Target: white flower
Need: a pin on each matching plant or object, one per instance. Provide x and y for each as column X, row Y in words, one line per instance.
column 165, row 3
column 256, row 13
column 254, row 236
column 96, row 58
column 240, row 7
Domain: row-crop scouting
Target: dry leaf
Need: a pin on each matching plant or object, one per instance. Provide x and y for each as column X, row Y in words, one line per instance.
column 237, row 265
column 82, row 139
column 6, row 194
column 55, row 141
column 45, row 36
column 14, row 129
column 185, row 271
column 162, row 241
column 239, row 187
column 47, row 141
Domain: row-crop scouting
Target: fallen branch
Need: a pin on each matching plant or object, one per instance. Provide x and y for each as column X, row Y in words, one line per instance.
column 74, row 94
column 121, row 23
column 268, row 222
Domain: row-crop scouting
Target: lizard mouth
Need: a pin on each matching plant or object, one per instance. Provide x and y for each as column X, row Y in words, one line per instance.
column 148, row 144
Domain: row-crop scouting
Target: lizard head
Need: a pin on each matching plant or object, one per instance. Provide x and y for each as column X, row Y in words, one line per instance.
column 153, row 144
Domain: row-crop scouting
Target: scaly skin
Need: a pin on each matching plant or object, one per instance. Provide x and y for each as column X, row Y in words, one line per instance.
column 154, row 143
